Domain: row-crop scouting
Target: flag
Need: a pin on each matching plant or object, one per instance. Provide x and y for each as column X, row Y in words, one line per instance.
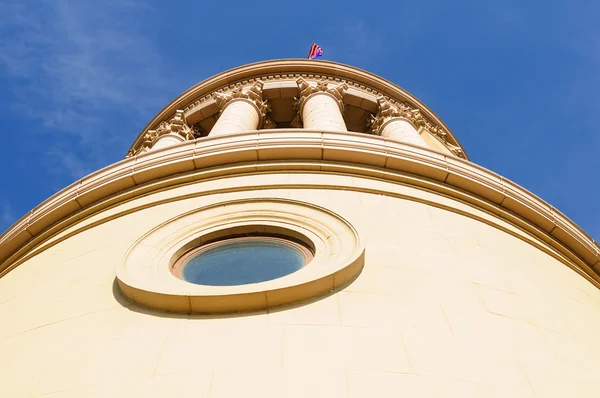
column 315, row 51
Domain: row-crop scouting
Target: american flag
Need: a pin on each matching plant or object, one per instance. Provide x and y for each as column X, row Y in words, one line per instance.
column 315, row 51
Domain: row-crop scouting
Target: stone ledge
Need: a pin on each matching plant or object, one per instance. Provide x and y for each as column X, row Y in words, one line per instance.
column 377, row 155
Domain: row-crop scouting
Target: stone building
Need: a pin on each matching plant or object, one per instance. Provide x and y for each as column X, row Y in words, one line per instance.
column 297, row 228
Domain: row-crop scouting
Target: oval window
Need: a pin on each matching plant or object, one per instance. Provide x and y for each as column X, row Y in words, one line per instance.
column 240, row 261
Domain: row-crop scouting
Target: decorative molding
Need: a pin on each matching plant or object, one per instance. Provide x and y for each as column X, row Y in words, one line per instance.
column 306, row 90
column 268, row 123
column 253, row 95
column 386, row 106
column 292, row 69
column 296, row 121
column 441, row 135
column 176, row 125
column 389, row 161
column 456, row 150
column 388, row 109
column 336, row 244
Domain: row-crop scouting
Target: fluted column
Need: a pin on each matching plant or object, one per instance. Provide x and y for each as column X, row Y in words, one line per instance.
column 321, row 107
column 398, row 122
column 240, row 111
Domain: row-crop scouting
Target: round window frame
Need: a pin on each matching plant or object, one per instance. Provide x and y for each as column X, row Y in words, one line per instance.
column 179, row 265
column 144, row 274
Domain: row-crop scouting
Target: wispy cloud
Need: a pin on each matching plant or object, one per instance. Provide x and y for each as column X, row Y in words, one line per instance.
column 68, row 162
column 81, row 70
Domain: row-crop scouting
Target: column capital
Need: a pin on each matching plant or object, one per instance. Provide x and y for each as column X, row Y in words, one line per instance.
column 306, row 90
column 268, row 123
column 176, row 126
column 388, row 110
column 253, row 95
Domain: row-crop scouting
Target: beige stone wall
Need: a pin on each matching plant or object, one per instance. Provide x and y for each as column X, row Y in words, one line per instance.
column 445, row 306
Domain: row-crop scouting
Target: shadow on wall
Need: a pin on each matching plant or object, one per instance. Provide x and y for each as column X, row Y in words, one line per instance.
column 142, row 310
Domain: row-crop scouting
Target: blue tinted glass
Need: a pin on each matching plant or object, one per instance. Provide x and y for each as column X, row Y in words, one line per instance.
column 239, row 263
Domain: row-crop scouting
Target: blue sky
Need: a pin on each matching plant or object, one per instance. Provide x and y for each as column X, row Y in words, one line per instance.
column 516, row 81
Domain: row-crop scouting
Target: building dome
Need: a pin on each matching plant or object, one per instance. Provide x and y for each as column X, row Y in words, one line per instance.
column 297, row 228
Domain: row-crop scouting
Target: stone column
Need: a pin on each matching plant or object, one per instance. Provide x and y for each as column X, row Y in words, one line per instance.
column 240, row 111
column 398, row 122
column 167, row 140
column 320, row 107
column 168, row 133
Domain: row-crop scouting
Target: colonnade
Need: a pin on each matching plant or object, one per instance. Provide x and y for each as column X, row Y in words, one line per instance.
column 319, row 107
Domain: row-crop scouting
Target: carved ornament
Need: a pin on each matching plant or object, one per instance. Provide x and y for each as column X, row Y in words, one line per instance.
column 441, row 134
column 388, row 110
column 268, row 123
column 253, row 94
column 306, row 90
column 176, row 125
column 235, row 90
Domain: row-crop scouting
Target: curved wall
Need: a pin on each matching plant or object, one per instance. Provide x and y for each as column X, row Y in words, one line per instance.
column 452, row 301
column 471, row 286
column 295, row 149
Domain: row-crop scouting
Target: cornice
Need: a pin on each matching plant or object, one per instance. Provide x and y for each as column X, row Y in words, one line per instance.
column 292, row 69
column 349, row 153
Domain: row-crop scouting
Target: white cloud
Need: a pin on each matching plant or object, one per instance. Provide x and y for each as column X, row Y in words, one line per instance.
column 68, row 161
column 76, row 51
column 76, row 67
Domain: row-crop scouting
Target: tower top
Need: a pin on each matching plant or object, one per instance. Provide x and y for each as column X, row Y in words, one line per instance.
column 276, row 88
